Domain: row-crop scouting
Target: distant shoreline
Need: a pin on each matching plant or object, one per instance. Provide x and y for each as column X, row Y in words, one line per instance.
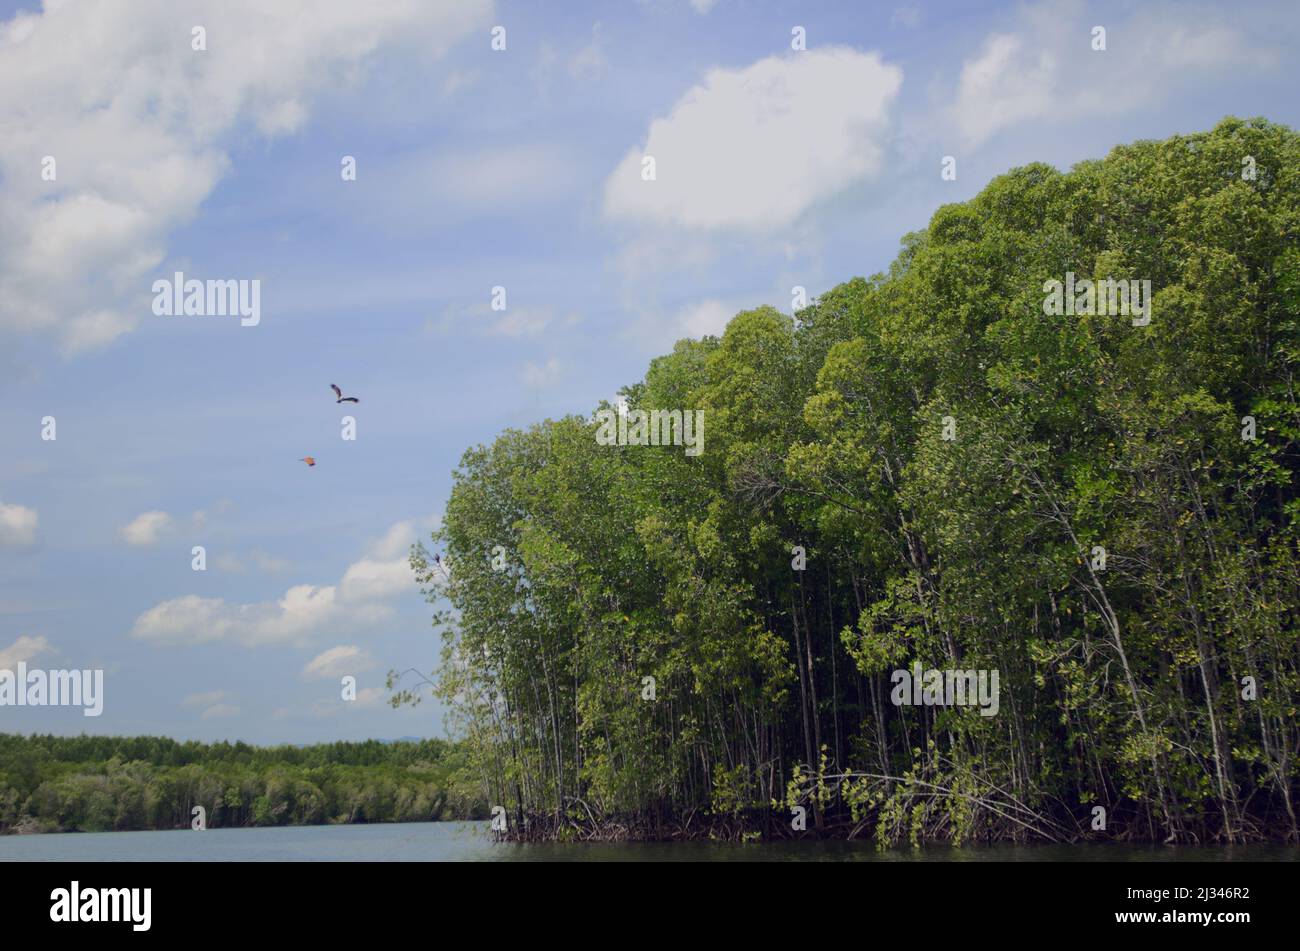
column 52, row 784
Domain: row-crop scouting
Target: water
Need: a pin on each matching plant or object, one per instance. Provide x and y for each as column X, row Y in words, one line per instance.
column 471, row 842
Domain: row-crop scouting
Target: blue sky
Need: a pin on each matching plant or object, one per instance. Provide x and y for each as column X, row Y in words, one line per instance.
column 476, row 168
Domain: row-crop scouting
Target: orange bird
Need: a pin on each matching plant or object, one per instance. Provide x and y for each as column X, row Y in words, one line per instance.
column 309, row 460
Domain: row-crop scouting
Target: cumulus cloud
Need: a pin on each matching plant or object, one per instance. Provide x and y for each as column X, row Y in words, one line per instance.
column 337, row 661
column 395, row 543
column 370, row 580
column 146, row 529
column 138, row 124
column 658, row 327
column 385, row 570
column 188, row 618
column 754, row 148
column 17, row 526
column 369, row 698
column 1004, row 85
column 194, row 620
column 301, row 614
column 1045, row 70
column 705, row 318
column 22, row 650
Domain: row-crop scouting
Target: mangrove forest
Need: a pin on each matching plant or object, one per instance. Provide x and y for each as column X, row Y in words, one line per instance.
column 1052, row 449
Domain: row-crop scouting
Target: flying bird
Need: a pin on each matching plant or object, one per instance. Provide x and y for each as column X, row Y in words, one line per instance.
column 341, row 397
column 310, row 460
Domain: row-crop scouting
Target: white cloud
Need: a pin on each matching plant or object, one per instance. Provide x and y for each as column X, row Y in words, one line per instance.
column 17, row 525
column 139, row 124
column 303, row 613
column 538, row 376
column 188, row 618
column 337, row 661
column 146, row 529
column 755, row 148
column 386, row 569
column 368, row 698
column 659, row 327
column 370, row 580
column 1046, row 70
column 22, row 650
column 194, row 620
column 706, row 317
column 1003, row 86
column 395, row 543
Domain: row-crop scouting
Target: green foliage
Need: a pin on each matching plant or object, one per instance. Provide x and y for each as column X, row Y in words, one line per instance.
column 108, row 783
column 1120, row 686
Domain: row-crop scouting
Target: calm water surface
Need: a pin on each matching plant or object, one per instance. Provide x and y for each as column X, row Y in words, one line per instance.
column 470, row 842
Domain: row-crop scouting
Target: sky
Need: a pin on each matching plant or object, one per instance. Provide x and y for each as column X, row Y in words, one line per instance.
column 476, row 168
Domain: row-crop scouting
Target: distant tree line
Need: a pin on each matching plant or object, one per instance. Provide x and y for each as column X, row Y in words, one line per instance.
column 932, row 466
column 103, row 783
